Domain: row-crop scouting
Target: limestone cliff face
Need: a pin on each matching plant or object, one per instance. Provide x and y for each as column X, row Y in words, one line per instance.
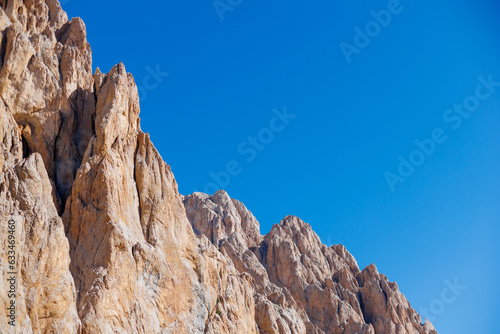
column 302, row 286
column 104, row 242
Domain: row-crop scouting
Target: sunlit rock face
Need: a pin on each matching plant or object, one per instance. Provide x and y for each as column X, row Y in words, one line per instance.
column 104, row 242
column 302, row 286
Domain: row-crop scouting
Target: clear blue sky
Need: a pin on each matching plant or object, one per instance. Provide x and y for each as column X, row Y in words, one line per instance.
column 353, row 121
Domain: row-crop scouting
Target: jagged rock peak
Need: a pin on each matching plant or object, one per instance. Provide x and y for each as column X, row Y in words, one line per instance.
column 294, row 273
column 219, row 216
column 106, row 244
column 103, row 241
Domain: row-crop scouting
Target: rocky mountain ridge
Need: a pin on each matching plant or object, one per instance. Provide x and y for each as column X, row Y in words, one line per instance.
column 104, row 242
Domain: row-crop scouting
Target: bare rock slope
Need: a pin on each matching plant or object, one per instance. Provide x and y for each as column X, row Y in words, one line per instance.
column 302, row 286
column 104, row 242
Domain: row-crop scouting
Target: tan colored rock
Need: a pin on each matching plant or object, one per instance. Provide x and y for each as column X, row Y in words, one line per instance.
column 45, row 294
column 105, row 242
column 220, row 216
column 297, row 277
column 136, row 263
column 131, row 243
column 226, row 222
column 46, row 82
column 386, row 308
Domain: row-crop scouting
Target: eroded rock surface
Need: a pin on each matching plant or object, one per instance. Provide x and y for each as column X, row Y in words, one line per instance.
column 302, row 286
column 45, row 293
column 104, row 241
column 85, row 184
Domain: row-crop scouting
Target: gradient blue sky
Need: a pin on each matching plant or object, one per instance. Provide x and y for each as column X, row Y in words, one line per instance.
column 353, row 122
